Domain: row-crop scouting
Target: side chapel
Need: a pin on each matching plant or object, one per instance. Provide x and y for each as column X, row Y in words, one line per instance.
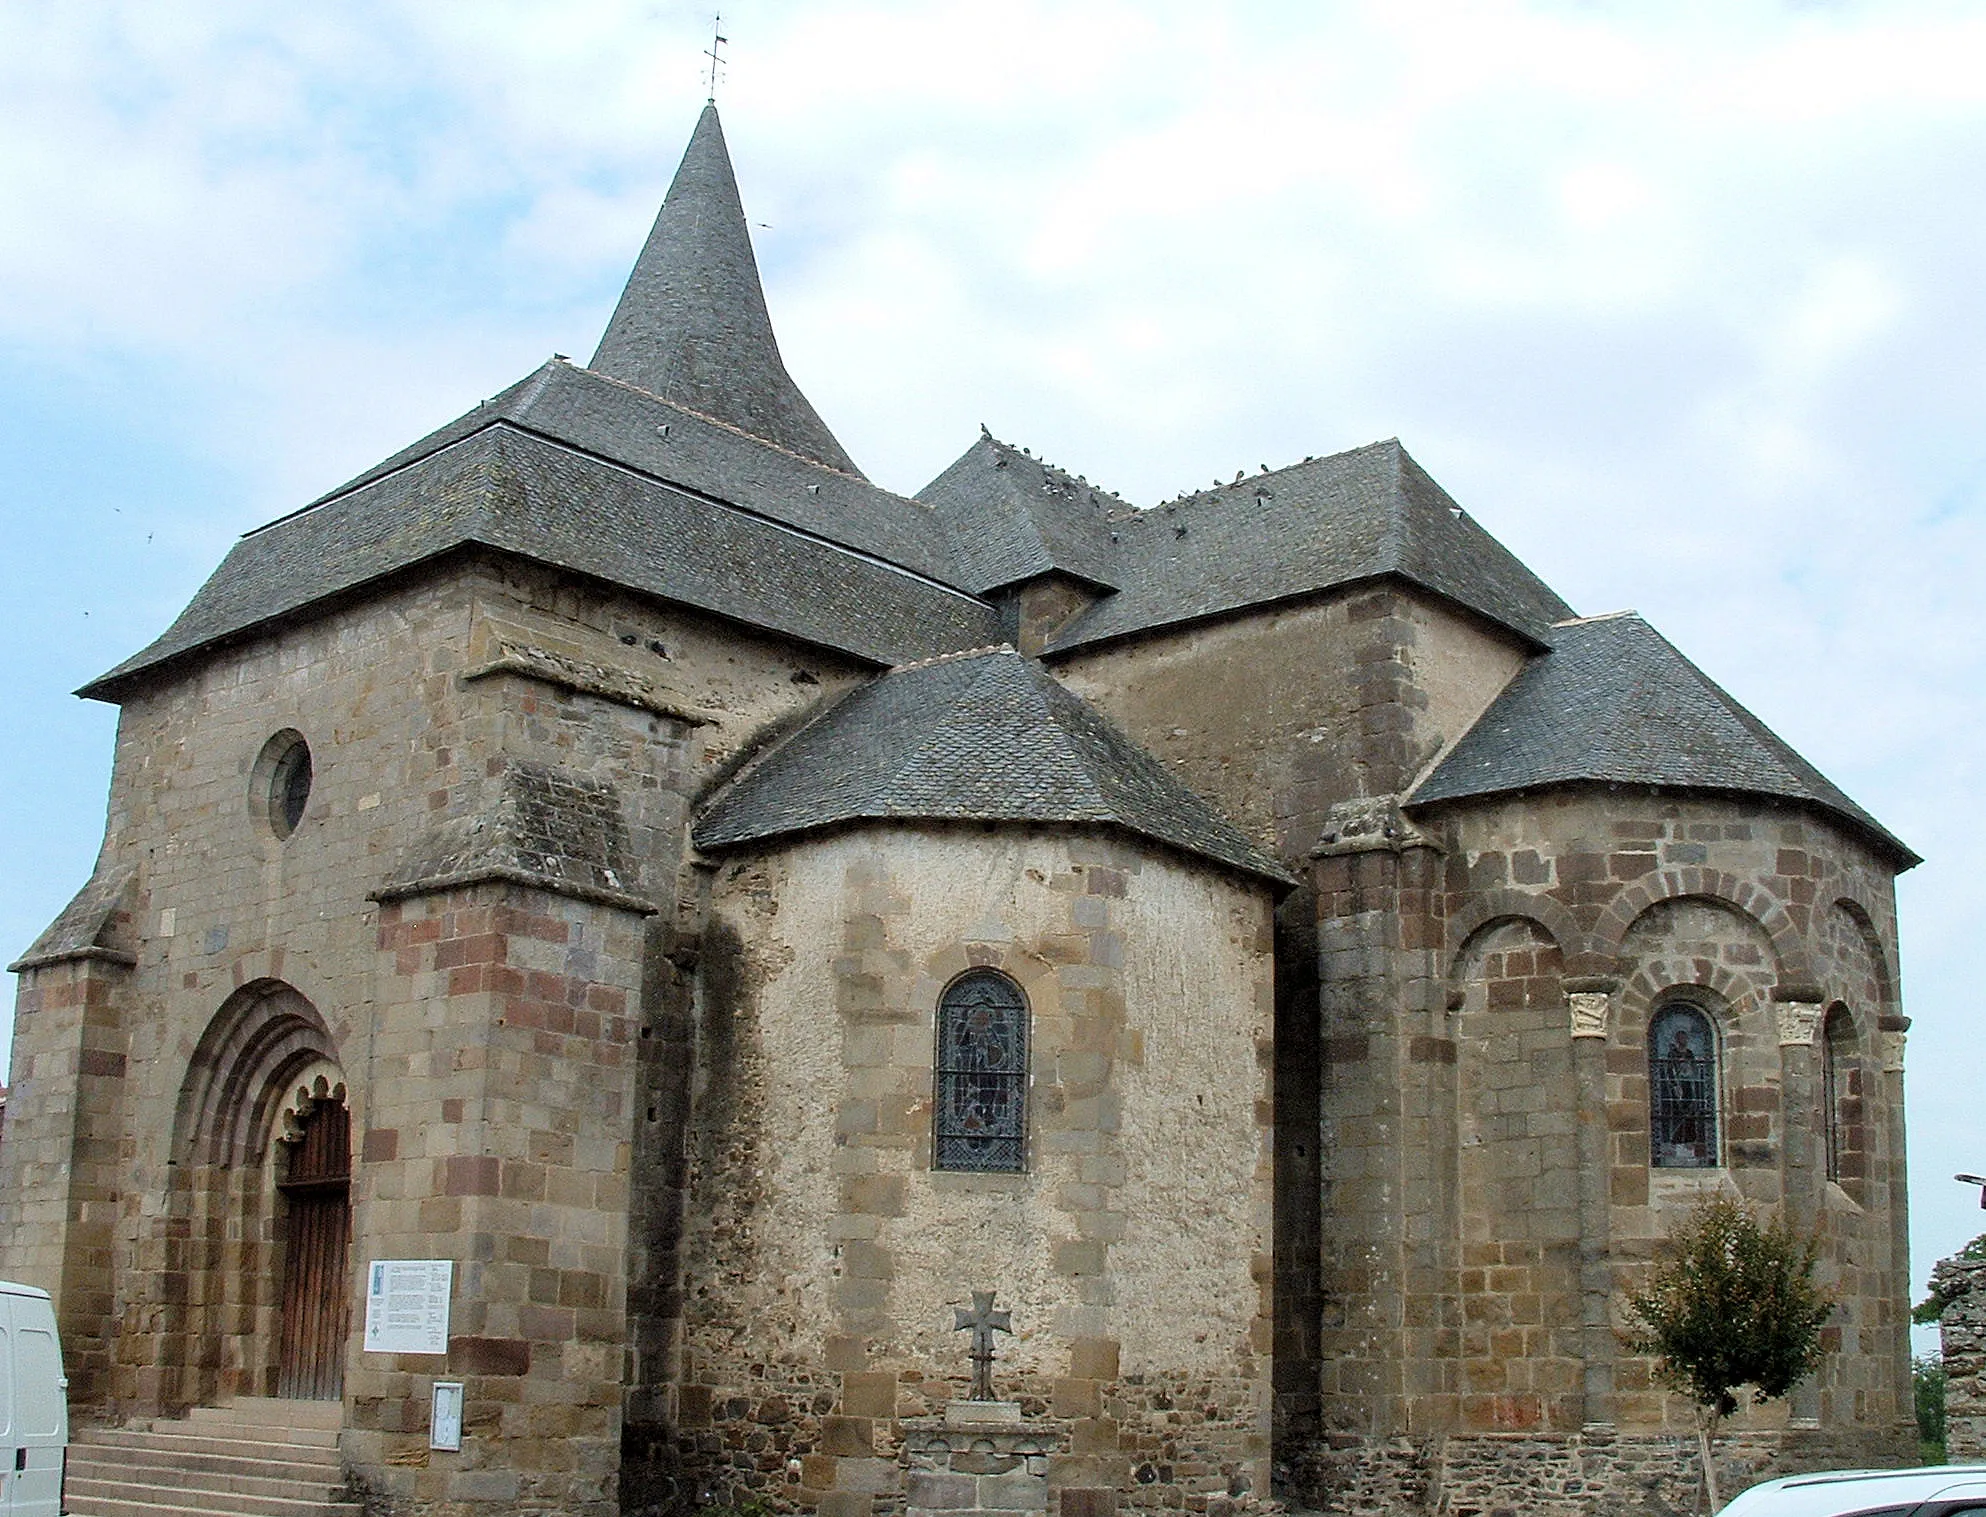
column 734, row 913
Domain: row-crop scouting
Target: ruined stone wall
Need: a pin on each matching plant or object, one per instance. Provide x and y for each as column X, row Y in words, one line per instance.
column 825, row 1254
column 1962, row 1346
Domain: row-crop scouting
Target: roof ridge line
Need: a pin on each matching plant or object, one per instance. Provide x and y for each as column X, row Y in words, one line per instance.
column 733, row 427
column 527, row 430
column 352, row 487
column 732, row 506
column 952, row 658
column 912, row 752
column 1216, row 491
column 1103, row 802
column 1054, row 468
column 1602, row 616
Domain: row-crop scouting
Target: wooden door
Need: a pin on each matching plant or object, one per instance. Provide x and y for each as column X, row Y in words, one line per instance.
column 316, row 1284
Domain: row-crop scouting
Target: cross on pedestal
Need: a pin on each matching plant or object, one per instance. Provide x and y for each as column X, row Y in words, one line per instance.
column 983, row 1322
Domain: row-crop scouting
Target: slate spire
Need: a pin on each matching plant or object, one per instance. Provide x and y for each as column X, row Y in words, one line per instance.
column 692, row 324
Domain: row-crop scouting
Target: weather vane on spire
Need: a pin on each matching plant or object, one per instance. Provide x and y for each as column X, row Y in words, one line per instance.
column 717, row 40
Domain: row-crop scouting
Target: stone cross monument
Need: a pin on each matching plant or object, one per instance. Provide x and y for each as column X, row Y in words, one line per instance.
column 983, row 1322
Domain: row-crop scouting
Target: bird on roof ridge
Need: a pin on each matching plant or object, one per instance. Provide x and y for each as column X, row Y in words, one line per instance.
column 692, row 324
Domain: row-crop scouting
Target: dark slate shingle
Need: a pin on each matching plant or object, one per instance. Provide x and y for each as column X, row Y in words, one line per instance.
column 620, row 422
column 983, row 737
column 1326, row 522
column 692, row 324
column 1612, row 701
column 1012, row 517
column 506, row 489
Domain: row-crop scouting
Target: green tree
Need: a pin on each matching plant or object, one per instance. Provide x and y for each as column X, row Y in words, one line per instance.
column 1733, row 1302
column 1927, row 1380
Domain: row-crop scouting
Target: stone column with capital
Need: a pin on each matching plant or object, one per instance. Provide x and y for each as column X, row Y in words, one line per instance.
column 1589, row 1003
column 1797, row 1013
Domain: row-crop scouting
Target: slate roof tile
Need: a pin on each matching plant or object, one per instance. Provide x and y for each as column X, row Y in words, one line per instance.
column 506, row 489
column 987, row 736
column 1612, row 701
column 692, row 324
column 1315, row 525
column 1012, row 516
column 620, row 422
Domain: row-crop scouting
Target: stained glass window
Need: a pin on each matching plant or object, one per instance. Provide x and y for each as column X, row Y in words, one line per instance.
column 981, row 1116
column 1682, row 1088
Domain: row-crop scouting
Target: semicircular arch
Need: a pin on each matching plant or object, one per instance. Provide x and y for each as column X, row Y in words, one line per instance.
column 262, row 1035
column 1718, row 989
column 1854, row 904
column 1793, row 963
column 1497, row 906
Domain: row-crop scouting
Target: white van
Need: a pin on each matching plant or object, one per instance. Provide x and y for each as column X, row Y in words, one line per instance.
column 34, row 1405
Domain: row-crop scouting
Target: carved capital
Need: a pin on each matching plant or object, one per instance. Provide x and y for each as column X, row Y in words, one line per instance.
column 1589, row 1012
column 1798, row 1022
column 320, row 1080
column 1892, row 1046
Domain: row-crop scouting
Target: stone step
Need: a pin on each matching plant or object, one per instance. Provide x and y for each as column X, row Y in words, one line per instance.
column 256, row 1457
column 164, row 1436
column 253, row 1477
column 144, row 1501
column 274, row 1411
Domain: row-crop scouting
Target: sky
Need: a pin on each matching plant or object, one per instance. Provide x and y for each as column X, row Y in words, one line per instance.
column 1684, row 303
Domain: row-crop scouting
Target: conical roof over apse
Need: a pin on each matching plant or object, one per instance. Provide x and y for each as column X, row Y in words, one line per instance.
column 692, row 325
column 1611, row 701
column 985, row 736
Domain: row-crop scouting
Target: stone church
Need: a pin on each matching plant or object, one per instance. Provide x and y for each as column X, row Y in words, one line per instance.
column 733, row 913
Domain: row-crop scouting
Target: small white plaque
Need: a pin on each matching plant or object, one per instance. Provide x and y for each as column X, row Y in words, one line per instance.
column 445, row 1427
column 406, row 1305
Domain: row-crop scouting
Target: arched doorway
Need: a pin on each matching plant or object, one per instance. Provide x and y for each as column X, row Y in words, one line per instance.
column 255, row 1252
column 316, row 1187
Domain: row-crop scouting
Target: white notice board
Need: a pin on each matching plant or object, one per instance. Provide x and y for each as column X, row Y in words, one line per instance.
column 406, row 1305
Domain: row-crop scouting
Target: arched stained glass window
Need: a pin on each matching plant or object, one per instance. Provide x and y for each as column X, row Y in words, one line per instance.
column 1682, row 1088
column 981, row 1097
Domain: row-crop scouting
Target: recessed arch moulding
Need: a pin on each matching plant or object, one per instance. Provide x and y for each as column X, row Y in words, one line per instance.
column 1569, row 921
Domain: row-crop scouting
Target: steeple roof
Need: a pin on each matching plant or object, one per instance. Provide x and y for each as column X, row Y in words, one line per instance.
column 692, row 325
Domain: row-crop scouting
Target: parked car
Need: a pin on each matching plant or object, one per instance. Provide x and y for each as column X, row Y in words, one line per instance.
column 34, row 1406
column 1932, row 1490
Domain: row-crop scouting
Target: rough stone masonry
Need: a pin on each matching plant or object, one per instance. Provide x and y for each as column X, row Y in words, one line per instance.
column 739, row 912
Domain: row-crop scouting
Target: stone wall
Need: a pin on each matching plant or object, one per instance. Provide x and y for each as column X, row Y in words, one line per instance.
column 824, row 1253
column 1594, row 1472
column 1347, row 696
column 1961, row 1285
column 1486, row 976
column 467, row 931
column 671, row 1117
